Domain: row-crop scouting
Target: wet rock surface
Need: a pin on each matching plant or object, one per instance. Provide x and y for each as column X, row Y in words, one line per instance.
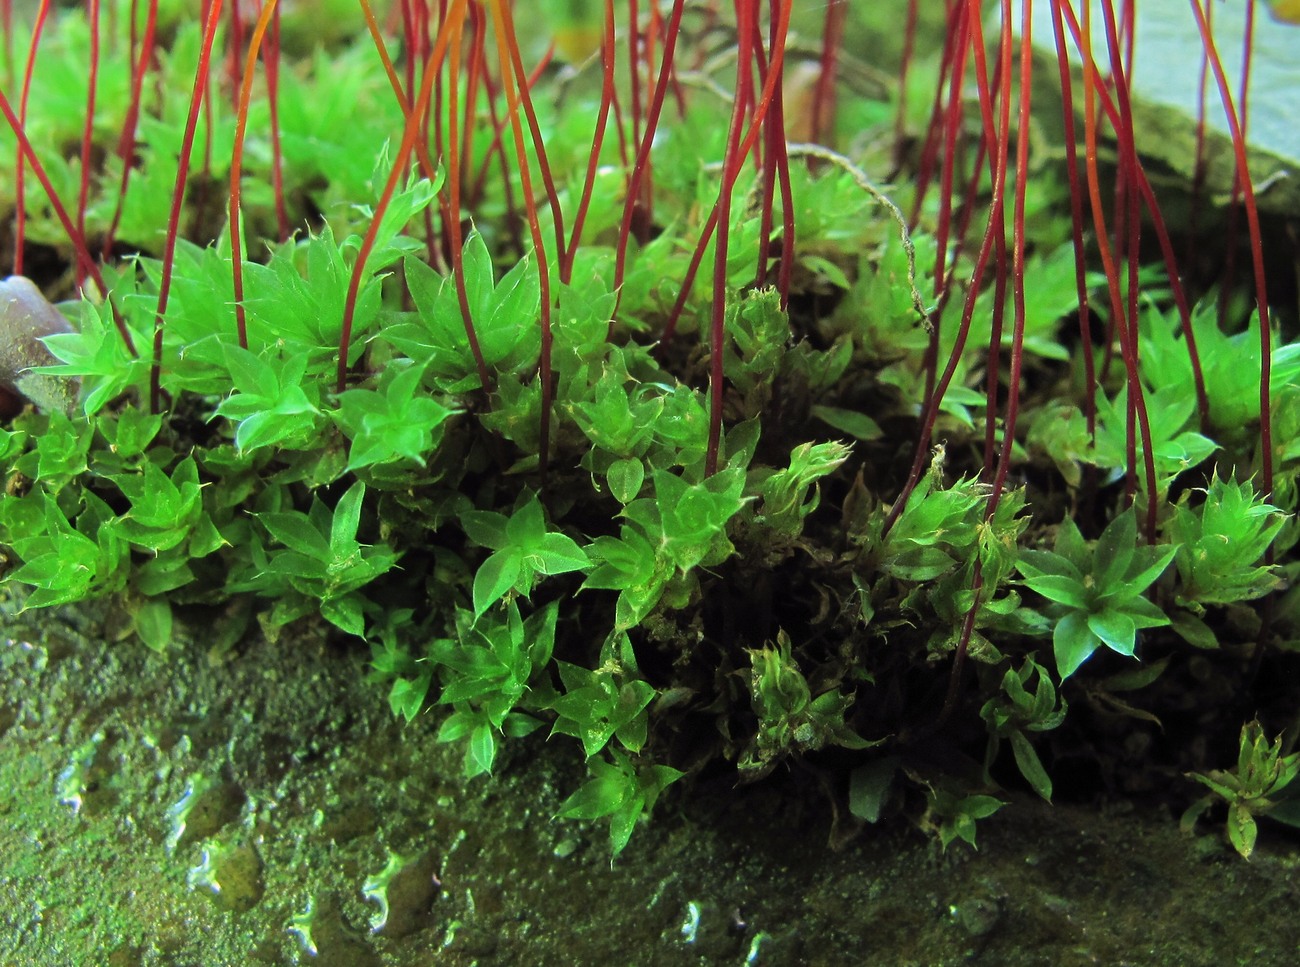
column 304, row 789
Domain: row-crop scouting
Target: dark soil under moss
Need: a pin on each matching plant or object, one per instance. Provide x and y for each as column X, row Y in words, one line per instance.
column 301, row 787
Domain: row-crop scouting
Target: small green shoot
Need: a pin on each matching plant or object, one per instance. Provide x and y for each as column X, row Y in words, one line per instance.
column 952, row 815
column 486, row 673
column 274, row 405
column 322, row 559
column 1017, row 711
column 523, row 549
column 786, row 500
column 606, row 703
column 620, row 789
column 934, row 533
column 630, row 565
column 60, row 560
column 790, row 720
column 1221, row 543
column 1096, row 593
column 1175, row 448
column 1250, row 790
column 394, row 422
column 61, row 453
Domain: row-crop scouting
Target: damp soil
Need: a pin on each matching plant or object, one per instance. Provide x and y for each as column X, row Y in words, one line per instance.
column 265, row 808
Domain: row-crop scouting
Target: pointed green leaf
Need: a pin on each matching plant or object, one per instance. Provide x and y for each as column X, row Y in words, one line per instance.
column 1059, row 588
column 1031, row 767
column 345, row 614
column 625, row 478
column 527, row 526
column 495, row 577
column 623, row 822
column 485, row 528
column 406, row 697
column 1147, row 564
column 481, row 752
column 1116, row 629
column 153, row 623
column 1114, row 551
column 347, row 518
column 1072, row 642
column 1071, row 545
column 1241, row 829
column 600, row 796
column 294, row 530
column 1035, row 563
column 559, row 554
